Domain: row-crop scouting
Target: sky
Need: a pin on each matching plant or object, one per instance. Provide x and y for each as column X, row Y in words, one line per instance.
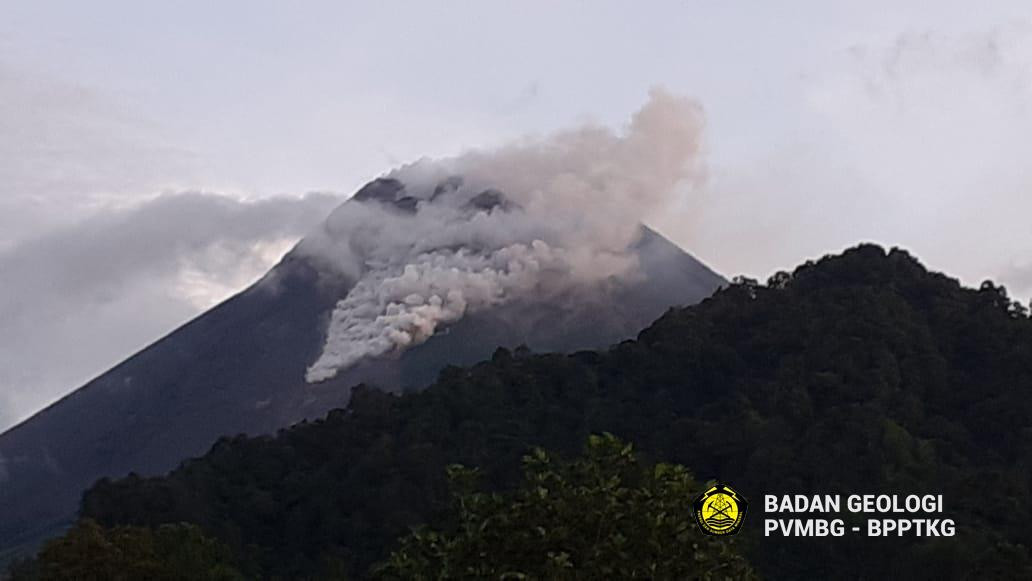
column 157, row 157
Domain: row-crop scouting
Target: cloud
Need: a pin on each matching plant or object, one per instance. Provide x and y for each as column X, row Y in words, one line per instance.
column 78, row 299
column 7, row 414
column 93, row 264
column 1018, row 280
column 919, row 141
column 66, row 151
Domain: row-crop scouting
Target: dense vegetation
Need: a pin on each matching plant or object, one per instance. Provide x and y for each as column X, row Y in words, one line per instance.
column 599, row 517
column 861, row 373
column 170, row 552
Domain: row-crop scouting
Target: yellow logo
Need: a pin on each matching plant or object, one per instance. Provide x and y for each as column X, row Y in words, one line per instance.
column 720, row 510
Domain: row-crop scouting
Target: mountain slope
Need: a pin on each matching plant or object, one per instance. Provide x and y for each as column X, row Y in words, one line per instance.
column 862, row 373
column 240, row 368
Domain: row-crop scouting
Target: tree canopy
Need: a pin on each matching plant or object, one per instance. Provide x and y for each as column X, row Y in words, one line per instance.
column 601, row 516
column 170, row 552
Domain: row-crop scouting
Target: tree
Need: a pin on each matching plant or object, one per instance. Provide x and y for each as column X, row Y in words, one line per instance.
column 598, row 517
column 173, row 552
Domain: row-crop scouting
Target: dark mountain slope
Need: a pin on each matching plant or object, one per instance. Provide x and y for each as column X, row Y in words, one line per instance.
column 240, row 368
column 217, row 374
column 862, row 373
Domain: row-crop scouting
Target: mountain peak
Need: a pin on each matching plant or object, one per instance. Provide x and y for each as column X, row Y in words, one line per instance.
column 362, row 289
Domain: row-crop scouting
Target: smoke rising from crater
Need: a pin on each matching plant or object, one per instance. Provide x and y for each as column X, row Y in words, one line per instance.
column 439, row 239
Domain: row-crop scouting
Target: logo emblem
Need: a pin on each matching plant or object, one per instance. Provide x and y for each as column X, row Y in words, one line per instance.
column 720, row 510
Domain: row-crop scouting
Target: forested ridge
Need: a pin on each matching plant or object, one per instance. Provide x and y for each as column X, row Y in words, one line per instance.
column 858, row 373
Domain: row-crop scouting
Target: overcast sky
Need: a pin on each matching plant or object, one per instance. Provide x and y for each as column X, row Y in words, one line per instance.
column 156, row 158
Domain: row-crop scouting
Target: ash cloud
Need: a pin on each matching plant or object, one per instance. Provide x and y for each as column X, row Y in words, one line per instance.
column 440, row 239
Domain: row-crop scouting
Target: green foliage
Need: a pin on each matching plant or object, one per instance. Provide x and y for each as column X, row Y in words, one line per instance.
column 172, row 552
column 598, row 517
column 859, row 373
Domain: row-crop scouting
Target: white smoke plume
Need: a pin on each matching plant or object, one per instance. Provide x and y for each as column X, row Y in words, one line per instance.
column 538, row 217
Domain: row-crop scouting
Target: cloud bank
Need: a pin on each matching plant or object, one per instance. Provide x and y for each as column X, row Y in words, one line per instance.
column 77, row 300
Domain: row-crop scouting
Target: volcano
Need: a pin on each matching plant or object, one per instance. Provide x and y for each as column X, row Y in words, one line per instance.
column 291, row 347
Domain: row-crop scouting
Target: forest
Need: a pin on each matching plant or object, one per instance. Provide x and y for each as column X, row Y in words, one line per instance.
column 858, row 373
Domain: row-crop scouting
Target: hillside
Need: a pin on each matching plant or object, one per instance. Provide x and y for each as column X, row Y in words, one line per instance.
column 241, row 366
column 859, row 373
